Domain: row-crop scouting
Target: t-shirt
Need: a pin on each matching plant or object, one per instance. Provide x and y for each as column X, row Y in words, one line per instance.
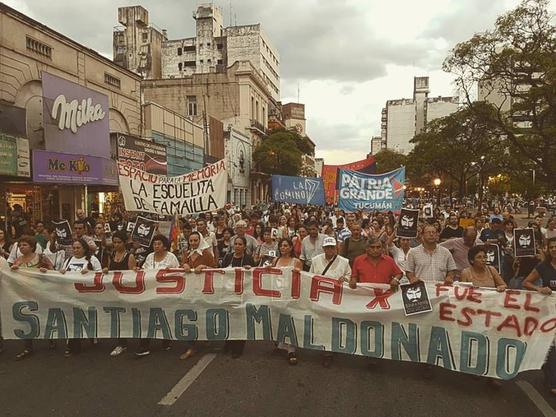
column 548, row 274
column 351, row 248
column 450, row 233
column 78, row 264
column 169, row 261
column 380, row 273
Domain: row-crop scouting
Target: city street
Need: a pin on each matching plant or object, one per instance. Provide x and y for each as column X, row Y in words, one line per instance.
column 260, row 383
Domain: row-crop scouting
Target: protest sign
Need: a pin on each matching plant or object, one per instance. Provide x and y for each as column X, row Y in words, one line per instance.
column 298, row 190
column 107, row 228
column 63, row 233
column 330, row 175
column 130, row 226
column 407, row 223
column 196, row 192
column 524, row 242
column 428, row 211
column 493, row 256
column 472, row 330
column 382, row 192
column 415, row 298
column 143, row 231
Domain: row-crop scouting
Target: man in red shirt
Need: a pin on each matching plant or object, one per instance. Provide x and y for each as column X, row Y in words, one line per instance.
column 375, row 267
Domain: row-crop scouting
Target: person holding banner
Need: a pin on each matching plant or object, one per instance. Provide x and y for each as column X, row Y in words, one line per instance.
column 546, row 273
column 120, row 260
column 429, row 261
column 82, row 261
column 375, row 267
column 479, row 273
column 29, row 259
column 160, row 258
column 239, row 258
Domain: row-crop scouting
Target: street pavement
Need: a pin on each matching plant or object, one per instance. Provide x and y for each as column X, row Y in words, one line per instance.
column 260, row 383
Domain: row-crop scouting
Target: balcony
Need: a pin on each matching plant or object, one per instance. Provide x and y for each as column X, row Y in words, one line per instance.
column 258, row 127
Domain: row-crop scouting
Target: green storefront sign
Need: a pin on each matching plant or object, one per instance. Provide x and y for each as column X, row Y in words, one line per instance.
column 14, row 156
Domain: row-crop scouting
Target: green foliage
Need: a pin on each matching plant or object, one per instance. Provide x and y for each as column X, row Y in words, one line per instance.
column 457, row 147
column 279, row 154
column 388, row 160
column 515, row 65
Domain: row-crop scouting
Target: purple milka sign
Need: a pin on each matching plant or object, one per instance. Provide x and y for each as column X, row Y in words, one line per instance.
column 62, row 168
column 75, row 118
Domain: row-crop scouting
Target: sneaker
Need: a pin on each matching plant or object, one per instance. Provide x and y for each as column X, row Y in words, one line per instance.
column 142, row 352
column 118, row 350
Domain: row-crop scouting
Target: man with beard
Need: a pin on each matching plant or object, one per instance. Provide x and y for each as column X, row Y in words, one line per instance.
column 452, row 229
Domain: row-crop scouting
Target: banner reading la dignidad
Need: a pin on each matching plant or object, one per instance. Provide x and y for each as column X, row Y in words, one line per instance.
column 195, row 192
column 472, row 330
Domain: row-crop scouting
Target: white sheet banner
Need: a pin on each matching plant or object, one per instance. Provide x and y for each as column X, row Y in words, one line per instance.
column 472, row 330
column 195, row 192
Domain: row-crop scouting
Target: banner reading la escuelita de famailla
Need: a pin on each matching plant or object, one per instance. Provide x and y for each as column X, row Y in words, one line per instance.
column 382, row 192
column 298, row 190
column 195, row 192
column 470, row 330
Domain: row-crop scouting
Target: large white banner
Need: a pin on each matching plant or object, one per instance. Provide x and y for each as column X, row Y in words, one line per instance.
column 477, row 331
column 195, row 192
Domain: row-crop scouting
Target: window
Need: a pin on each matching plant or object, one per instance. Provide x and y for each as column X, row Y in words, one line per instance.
column 179, row 51
column 145, row 36
column 189, row 64
column 180, row 66
column 201, row 61
column 208, row 44
column 219, row 46
column 192, row 105
column 219, row 62
column 209, row 61
column 38, row 47
column 111, row 80
column 190, row 48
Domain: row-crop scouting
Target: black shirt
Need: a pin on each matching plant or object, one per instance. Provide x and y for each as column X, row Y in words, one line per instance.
column 230, row 260
column 449, row 233
column 548, row 274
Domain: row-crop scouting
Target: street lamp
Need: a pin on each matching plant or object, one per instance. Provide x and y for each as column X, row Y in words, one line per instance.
column 437, row 183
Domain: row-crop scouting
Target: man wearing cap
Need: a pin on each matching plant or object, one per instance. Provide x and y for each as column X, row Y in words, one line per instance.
column 375, row 267
column 330, row 265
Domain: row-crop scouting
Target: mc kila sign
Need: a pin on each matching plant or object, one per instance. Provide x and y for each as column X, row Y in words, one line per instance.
column 75, row 118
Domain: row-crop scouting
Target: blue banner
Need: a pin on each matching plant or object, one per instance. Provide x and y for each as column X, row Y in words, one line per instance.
column 382, row 192
column 298, row 190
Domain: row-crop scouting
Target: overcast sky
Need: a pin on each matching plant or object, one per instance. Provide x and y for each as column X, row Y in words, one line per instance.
column 347, row 56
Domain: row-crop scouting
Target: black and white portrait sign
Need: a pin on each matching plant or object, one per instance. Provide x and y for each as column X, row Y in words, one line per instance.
column 493, row 256
column 107, row 228
column 63, row 233
column 407, row 223
column 428, row 212
column 143, row 231
column 415, row 298
column 524, row 242
column 130, row 226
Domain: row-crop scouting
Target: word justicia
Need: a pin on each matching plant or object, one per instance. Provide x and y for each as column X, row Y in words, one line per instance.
column 73, row 115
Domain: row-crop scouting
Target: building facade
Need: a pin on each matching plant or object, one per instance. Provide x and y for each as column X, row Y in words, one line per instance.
column 402, row 119
column 146, row 50
column 66, row 100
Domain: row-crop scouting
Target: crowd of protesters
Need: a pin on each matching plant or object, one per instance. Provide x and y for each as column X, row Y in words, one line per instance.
column 354, row 248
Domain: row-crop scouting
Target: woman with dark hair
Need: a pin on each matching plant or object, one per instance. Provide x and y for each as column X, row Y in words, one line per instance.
column 120, row 260
column 82, row 261
column 237, row 259
column 479, row 273
column 286, row 259
column 545, row 272
column 224, row 244
column 258, row 232
column 30, row 260
column 103, row 243
column 267, row 249
column 301, row 234
column 160, row 258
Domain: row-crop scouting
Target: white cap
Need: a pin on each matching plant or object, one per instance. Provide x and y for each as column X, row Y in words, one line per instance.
column 328, row 241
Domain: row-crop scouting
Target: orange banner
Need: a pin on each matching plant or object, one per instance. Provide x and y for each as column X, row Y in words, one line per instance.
column 330, row 173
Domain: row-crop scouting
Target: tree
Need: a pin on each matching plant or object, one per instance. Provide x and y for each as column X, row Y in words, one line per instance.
column 388, row 160
column 458, row 147
column 515, row 66
column 278, row 154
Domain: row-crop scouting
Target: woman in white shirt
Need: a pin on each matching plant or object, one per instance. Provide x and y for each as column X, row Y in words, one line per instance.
column 82, row 261
column 160, row 258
